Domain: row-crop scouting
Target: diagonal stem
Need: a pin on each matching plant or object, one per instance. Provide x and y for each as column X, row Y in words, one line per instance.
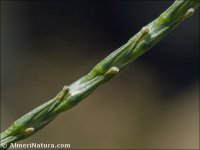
column 69, row 96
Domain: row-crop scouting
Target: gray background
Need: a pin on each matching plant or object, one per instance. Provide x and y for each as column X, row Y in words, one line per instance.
column 154, row 103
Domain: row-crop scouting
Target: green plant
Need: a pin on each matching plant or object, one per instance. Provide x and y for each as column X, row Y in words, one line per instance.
column 70, row 95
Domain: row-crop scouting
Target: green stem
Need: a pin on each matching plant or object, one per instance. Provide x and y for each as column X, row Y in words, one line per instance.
column 69, row 96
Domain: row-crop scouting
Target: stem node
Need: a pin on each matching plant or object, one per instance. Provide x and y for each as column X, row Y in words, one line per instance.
column 29, row 131
column 112, row 71
column 189, row 12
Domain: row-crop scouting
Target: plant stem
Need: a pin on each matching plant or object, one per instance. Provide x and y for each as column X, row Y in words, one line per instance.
column 70, row 95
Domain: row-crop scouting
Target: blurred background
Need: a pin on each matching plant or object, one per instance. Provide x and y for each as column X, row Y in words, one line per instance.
column 153, row 104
